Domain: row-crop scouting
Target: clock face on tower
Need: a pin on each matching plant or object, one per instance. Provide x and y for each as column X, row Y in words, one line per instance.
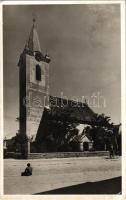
column 38, row 56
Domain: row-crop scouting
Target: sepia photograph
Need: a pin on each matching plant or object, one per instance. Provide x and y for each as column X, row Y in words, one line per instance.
column 62, row 131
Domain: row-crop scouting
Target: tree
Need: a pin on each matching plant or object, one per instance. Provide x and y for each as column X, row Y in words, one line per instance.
column 102, row 120
column 105, row 130
column 58, row 135
column 22, row 140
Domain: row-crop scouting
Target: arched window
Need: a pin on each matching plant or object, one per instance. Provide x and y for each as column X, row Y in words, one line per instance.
column 38, row 73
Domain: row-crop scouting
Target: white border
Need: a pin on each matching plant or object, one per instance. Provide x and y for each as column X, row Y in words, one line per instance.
column 61, row 2
column 123, row 98
column 1, row 102
column 123, row 107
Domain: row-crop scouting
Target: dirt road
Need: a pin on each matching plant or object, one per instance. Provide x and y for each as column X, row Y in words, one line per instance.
column 50, row 174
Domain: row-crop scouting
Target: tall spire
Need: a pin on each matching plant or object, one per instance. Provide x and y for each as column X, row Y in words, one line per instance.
column 33, row 41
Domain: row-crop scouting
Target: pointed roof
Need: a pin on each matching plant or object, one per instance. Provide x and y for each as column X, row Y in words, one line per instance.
column 33, row 40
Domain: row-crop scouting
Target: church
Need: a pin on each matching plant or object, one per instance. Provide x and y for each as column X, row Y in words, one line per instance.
column 36, row 107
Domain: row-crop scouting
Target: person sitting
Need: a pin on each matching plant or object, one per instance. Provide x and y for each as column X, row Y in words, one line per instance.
column 28, row 171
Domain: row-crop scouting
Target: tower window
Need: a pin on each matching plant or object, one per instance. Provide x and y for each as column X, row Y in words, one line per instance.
column 38, row 73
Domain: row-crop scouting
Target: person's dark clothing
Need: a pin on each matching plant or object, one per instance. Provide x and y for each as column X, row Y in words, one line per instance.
column 111, row 152
column 27, row 172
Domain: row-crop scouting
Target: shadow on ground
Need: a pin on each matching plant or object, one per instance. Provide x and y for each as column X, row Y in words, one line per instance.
column 109, row 186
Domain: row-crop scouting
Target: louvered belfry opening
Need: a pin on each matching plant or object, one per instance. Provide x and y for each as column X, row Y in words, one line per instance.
column 38, row 73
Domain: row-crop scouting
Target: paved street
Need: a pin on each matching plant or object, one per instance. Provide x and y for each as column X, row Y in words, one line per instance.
column 50, row 174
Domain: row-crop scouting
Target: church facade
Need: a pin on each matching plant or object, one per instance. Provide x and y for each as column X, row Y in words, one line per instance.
column 33, row 84
column 35, row 101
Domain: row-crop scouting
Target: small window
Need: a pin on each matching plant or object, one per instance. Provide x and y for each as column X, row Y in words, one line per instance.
column 38, row 73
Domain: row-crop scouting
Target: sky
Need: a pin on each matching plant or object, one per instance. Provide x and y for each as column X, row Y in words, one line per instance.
column 83, row 42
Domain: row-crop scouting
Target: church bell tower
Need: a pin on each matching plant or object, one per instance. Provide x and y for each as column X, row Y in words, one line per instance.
column 33, row 84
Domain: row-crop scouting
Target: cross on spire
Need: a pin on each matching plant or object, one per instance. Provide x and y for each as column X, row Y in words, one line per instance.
column 34, row 18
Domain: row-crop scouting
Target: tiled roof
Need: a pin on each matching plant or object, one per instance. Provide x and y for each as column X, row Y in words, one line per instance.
column 69, row 110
